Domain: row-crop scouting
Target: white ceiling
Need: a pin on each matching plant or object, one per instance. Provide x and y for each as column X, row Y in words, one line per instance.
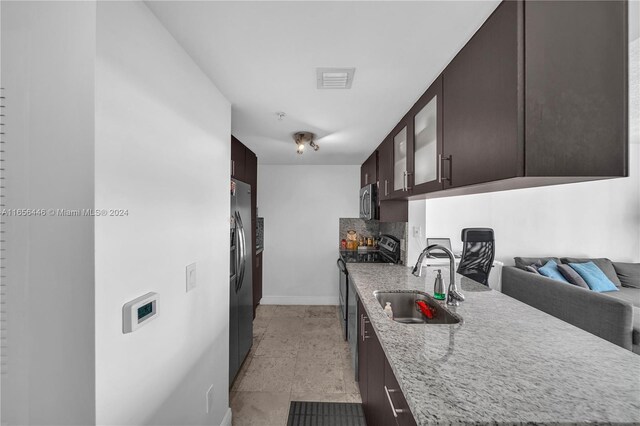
column 263, row 57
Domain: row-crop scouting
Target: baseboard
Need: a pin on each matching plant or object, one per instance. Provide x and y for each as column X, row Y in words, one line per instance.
column 227, row 418
column 299, row 300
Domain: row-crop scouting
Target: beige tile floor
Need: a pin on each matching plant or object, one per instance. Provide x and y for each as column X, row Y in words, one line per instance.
column 298, row 354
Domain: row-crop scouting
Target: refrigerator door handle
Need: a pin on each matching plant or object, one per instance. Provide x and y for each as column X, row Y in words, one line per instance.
column 243, row 251
column 238, row 252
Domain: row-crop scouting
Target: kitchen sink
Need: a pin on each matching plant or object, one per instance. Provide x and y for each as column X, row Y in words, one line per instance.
column 405, row 310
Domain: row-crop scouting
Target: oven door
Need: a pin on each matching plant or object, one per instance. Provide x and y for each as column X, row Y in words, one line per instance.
column 368, row 202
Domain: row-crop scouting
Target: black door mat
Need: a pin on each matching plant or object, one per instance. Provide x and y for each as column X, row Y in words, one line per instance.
column 302, row 413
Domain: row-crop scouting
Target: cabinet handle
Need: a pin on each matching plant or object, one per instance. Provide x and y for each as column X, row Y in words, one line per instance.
column 407, row 187
column 363, row 332
column 448, row 158
column 233, row 168
column 366, row 178
column 394, row 410
column 404, row 181
column 386, row 187
column 439, row 165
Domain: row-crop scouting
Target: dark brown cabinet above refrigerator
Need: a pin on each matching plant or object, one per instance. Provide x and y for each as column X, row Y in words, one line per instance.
column 238, row 151
column 519, row 105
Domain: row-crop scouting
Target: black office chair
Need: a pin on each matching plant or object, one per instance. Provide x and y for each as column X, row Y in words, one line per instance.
column 478, row 251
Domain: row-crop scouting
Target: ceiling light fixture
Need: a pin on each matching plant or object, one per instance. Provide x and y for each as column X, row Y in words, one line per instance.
column 300, row 138
column 281, row 115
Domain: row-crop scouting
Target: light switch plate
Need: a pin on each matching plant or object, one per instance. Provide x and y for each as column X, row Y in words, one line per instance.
column 191, row 277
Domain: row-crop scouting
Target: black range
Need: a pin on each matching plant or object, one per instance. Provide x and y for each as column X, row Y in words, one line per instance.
column 388, row 252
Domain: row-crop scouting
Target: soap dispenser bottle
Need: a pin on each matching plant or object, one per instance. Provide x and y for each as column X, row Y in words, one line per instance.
column 388, row 310
column 438, row 287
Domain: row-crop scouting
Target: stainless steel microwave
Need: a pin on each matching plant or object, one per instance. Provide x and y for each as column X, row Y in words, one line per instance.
column 368, row 202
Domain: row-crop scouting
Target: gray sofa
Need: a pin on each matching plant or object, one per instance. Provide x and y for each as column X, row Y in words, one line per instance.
column 613, row 316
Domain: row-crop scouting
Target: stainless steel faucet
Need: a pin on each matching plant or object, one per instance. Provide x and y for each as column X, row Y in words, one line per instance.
column 454, row 297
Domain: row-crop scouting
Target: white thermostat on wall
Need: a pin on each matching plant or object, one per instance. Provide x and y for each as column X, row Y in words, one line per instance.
column 139, row 312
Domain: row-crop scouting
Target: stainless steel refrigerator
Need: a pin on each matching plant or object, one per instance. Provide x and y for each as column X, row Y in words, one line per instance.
column 240, row 278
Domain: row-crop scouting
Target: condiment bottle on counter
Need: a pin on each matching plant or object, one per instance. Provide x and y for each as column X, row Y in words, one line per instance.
column 343, row 244
column 352, row 240
column 388, row 310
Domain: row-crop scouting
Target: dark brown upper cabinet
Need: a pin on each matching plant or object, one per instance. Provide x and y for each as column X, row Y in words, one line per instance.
column 520, row 105
column 425, row 146
column 369, row 170
column 389, row 209
column 543, row 100
column 399, row 185
column 576, row 88
column 482, row 108
column 385, row 169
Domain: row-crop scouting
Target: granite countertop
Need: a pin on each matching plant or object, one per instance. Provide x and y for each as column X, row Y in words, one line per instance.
column 506, row 362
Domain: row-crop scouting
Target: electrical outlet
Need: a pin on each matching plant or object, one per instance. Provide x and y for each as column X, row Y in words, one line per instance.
column 417, row 231
column 191, row 277
column 209, row 399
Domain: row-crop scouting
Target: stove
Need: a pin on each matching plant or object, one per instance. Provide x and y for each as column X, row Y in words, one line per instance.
column 388, row 251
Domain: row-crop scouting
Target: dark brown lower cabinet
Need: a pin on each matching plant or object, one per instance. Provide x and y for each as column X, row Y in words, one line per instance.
column 395, row 399
column 382, row 400
column 257, row 283
column 363, row 376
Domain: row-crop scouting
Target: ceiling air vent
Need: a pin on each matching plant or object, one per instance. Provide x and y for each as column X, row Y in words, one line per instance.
column 335, row 78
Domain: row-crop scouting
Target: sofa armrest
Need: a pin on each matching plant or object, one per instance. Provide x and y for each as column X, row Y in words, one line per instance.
column 606, row 317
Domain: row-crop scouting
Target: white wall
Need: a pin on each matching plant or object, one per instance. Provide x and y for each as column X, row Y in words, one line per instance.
column 595, row 219
column 162, row 152
column 301, row 206
column 48, row 74
column 416, row 241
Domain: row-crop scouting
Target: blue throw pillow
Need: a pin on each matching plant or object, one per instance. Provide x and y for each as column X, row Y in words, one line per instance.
column 595, row 278
column 550, row 270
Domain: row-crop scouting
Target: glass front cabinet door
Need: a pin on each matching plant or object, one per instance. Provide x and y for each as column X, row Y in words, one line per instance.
column 400, row 149
column 429, row 167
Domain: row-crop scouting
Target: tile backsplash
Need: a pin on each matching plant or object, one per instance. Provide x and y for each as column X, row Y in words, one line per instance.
column 374, row 228
column 366, row 228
